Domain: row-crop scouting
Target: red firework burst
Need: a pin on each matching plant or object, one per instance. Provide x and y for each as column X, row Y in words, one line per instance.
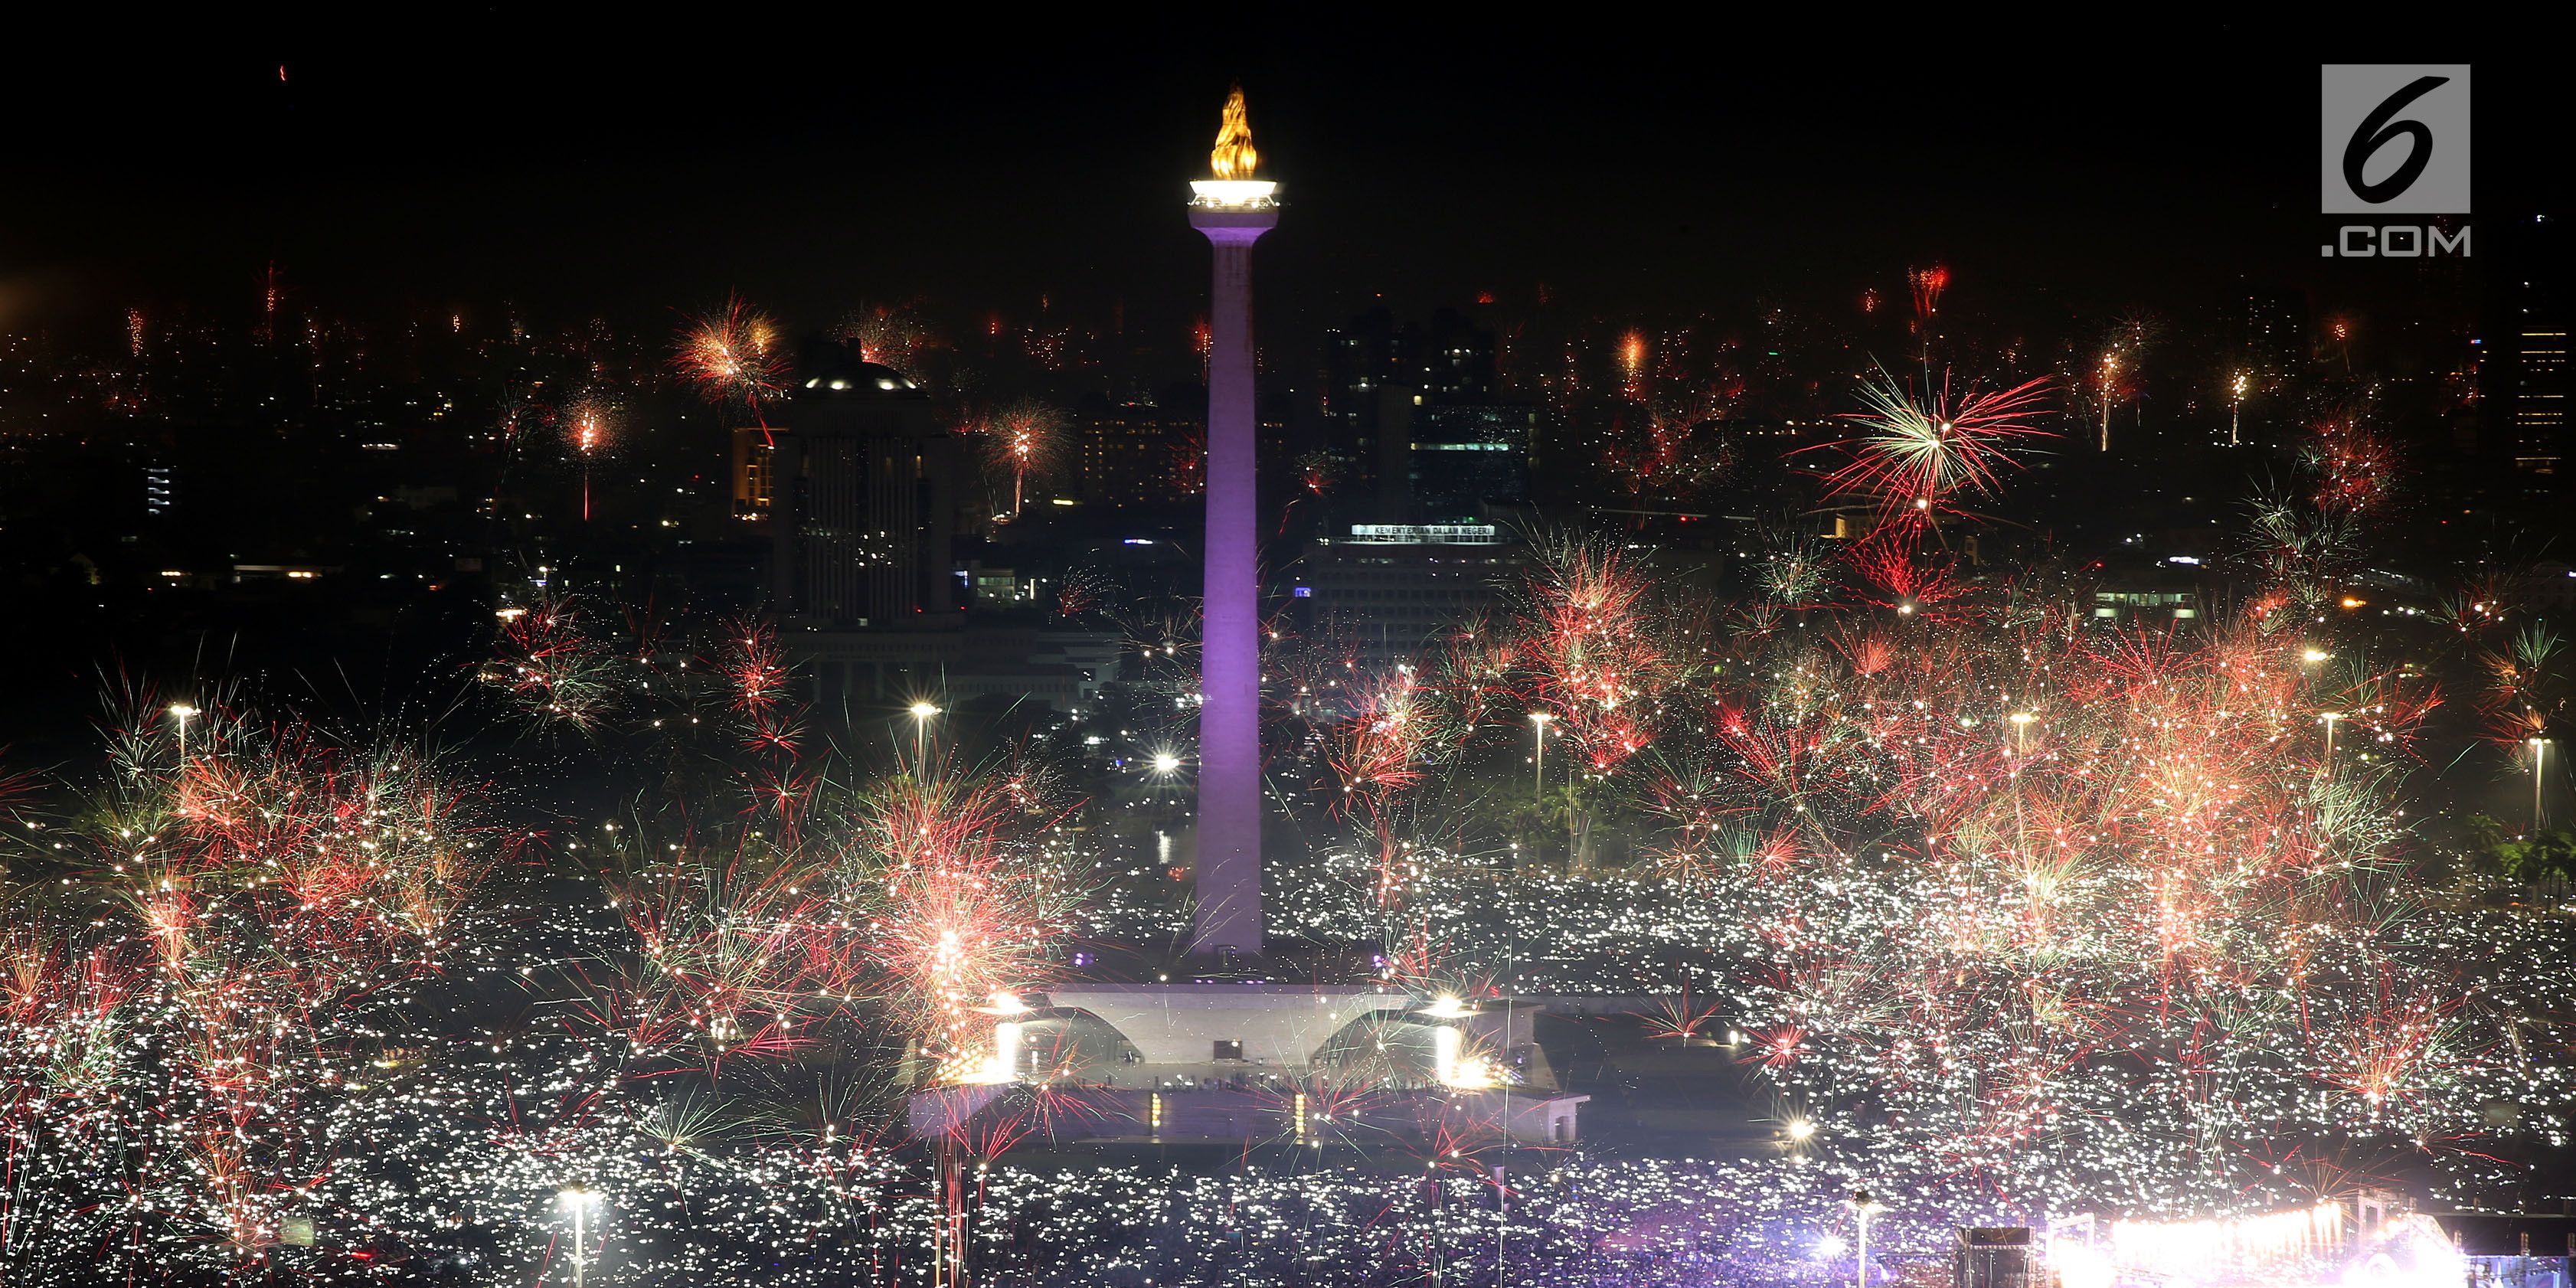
column 1914, row 454
column 733, row 357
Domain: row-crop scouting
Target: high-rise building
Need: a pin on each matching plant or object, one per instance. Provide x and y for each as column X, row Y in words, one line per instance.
column 1465, row 456
column 753, row 470
column 1415, row 420
column 1368, row 369
column 2540, row 398
column 2537, row 331
column 1140, row 453
column 2266, row 333
column 864, row 499
column 1456, row 360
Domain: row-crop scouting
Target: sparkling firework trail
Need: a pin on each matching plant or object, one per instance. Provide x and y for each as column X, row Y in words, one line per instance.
column 590, row 433
column 1026, row 438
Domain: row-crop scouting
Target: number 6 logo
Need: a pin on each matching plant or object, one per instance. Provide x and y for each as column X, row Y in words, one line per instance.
column 2377, row 131
column 2380, row 119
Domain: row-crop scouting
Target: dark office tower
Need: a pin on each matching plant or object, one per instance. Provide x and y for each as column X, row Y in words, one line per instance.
column 2536, row 333
column 1456, row 358
column 1391, row 390
column 2266, row 332
column 1367, row 372
column 1467, row 455
column 864, row 497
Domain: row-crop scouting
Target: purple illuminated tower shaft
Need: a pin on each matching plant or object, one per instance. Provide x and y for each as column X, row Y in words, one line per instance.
column 1229, row 806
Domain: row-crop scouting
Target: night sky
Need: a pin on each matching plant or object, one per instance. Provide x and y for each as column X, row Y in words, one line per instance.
column 616, row 167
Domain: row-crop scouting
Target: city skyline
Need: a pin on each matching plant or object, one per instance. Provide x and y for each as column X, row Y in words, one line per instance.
column 1729, row 662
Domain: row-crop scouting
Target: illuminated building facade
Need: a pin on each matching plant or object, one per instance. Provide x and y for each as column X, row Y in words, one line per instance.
column 1389, row 591
column 753, row 471
column 2539, row 391
column 1139, row 453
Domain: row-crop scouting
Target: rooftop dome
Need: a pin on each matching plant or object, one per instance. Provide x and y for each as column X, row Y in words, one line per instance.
column 832, row 371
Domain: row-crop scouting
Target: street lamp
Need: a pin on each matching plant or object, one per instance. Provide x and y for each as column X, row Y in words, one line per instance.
column 921, row 714
column 1863, row 1206
column 2331, row 718
column 2020, row 723
column 1538, row 775
column 182, row 712
column 2539, row 754
column 1538, row 726
column 1166, row 764
column 580, row 1201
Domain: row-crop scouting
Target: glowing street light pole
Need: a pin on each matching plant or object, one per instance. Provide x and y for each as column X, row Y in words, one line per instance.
column 2332, row 718
column 1862, row 1207
column 580, row 1201
column 1538, row 725
column 182, row 713
column 921, row 714
column 1538, row 780
column 2539, row 755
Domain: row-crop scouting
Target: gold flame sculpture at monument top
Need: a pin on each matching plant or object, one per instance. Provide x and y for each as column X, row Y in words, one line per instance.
column 1233, row 157
column 1231, row 162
